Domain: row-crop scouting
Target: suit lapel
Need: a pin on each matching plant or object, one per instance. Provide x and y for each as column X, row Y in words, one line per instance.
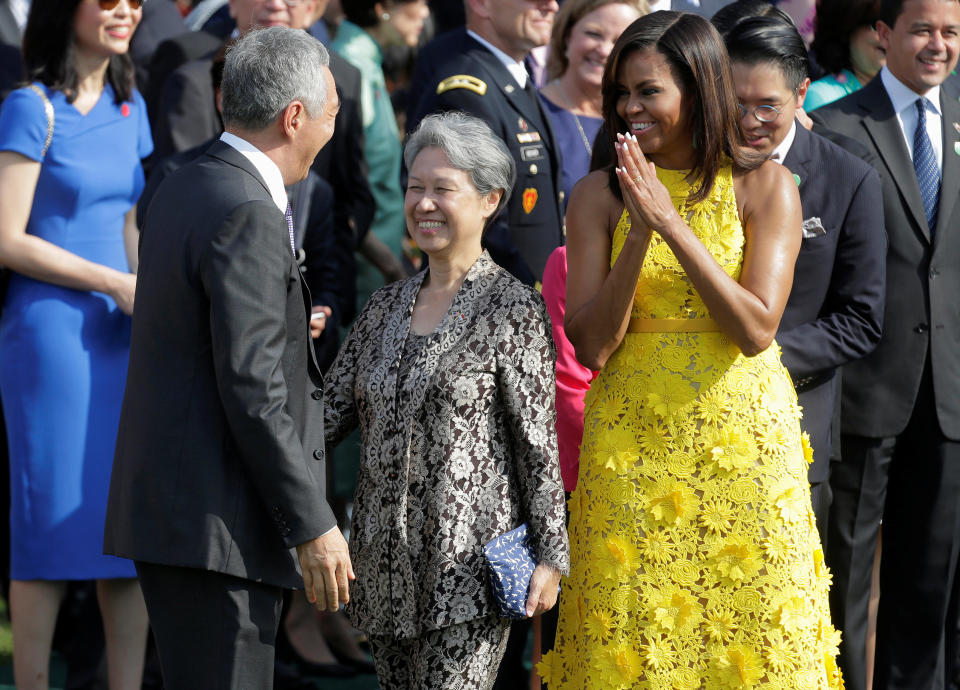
column 454, row 327
column 882, row 125
column 950, row 182
column 228, row 154
column 797, row 159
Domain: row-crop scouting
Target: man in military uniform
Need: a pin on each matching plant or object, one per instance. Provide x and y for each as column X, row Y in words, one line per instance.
column 480, row 70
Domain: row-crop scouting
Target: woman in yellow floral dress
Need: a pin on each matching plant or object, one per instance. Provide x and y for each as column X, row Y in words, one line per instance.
column 696, row 560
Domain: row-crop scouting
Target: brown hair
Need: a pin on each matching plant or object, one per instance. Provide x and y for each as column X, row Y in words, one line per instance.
column 571, row 12
column 698, row 61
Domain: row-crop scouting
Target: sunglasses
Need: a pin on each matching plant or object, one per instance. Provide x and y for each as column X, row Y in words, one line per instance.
column 108, row 5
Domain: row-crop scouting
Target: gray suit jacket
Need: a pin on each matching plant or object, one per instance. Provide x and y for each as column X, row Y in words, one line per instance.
column 220, row 462
column 923, row 274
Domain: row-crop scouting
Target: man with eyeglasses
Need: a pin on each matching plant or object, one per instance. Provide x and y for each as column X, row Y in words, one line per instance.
column 835, row 310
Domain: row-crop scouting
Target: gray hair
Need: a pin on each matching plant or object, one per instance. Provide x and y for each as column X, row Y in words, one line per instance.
column 267, row 69
column 470, row 145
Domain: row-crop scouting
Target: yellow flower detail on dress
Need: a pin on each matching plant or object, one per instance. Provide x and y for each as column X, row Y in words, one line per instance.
column 719, row 625
column 793, row 616
column 598, row 625
column 610, row 408
column 677, row 610
column 621, row 665
column 737, row 561
column 776, row 548
column 792, row 503
column 668, row 395
column 671, row 507
column 621, row 557
column 732, row 451
column 675, row 358
column 657, row 547
column 658, row 654
column 780, row 655
column 807, row 448
column 717, row 516
column 712, row 407
column 738, row 666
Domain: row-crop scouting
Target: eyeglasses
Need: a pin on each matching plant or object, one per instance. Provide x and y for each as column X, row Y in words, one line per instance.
column 763, row 113
column 107, row 5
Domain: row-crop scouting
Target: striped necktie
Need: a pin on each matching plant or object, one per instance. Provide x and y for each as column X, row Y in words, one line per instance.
column 925, row 165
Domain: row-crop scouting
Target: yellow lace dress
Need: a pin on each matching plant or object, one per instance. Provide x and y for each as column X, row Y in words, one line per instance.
column 696, row 562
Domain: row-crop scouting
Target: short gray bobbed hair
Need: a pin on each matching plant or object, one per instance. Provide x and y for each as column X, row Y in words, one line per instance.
column 267, row 69
column 470, row 145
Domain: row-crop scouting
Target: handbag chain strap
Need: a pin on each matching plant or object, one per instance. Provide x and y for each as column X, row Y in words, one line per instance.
column 48, row 109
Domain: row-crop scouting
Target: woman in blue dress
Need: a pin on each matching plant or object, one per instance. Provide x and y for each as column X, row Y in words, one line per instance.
column 70, row 149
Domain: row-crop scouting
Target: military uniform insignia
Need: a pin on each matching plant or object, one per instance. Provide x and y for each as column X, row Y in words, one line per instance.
column 462, row 81
column 530, row 195
column 528, row 137
column 522, row 124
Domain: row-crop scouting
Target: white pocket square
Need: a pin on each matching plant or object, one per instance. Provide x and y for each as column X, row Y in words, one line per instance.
column 813, row 227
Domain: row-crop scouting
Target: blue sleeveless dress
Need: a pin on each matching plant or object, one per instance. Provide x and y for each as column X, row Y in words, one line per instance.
column 63, row 352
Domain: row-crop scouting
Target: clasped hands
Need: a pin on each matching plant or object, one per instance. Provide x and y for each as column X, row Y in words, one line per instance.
column 647, row 200
column 325, row 562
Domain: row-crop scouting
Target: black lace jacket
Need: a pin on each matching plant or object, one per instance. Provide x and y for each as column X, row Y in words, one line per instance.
column 456, row 450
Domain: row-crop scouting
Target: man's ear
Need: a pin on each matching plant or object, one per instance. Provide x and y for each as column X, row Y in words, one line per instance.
column 883, row 34
column 802, row 91
column 293, row 118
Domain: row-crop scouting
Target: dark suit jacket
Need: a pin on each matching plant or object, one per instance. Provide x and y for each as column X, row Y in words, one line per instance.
column 161, row 20
column 922, row 317
column 835, row 311
column 531, row 226
column 170, row 55
column 220, row 462
column 11, row 62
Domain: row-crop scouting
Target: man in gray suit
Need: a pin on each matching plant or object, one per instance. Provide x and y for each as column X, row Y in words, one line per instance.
column 901, row 404
column 218, row 483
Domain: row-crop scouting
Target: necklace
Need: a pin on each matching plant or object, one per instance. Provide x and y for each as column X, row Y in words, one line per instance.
column 583, row 135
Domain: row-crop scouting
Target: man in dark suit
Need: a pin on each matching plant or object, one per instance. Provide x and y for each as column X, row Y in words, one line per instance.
column 901, row 404
column 186, row 116
column 835, row 311
column 219, row 470
column 161, row 21
column 480, row 70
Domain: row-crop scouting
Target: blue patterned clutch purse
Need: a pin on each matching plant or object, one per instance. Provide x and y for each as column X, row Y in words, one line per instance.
column 511, row 563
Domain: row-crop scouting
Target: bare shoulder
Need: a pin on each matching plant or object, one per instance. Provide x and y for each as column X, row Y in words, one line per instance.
column 592, row 199
column 760, row 187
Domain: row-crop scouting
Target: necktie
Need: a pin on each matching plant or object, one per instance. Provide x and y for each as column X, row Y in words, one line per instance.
column 925, row 165
column 288, row 215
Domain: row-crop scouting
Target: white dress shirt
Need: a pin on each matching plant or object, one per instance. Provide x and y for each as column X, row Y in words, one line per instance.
column 783, row 148
column 516, row 69
column 267, row 168
column 904, row 101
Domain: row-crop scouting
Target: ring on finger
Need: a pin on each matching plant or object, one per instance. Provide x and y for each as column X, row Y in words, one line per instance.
column 637, row 179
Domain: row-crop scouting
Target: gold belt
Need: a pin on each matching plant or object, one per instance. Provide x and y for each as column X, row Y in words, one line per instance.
column 672, row 325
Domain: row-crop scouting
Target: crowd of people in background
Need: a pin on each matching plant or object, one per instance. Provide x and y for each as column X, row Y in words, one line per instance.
column 672, row 282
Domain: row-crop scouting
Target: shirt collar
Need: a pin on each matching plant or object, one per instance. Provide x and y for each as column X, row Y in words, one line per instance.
column 267, row 168
column 516, row 69
column 903, row 97
column 783, row 148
